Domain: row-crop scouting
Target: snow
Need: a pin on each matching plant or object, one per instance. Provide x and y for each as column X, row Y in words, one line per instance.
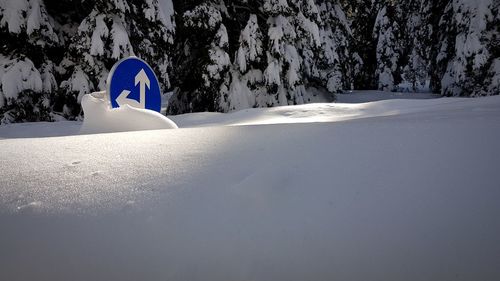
column 12, row 15
column 272, row 73
column 276, row 6
column 495, row 80
column 166, row 13
column 49, row 83
column 34, row 17
column 121, row 5
column 241, row 59
column 203, row 15
column 331, row 54
column 279, row 28
column 219, row 60
column 370, row 95
column 239, row 96
column 417, row 87
column 17, row 75
column 27, row 16
column 352, row 106
column 39, row 129
column 311, row 28
column 101, row 31
column 250, row 44
column 101, row 118
column 473, row 21
column 275, row 34
column 222, row 37
column 334, row 82
column 387, row 190
column 121, row 42
column 150, row 11
column 79, row 82
column 294, row 61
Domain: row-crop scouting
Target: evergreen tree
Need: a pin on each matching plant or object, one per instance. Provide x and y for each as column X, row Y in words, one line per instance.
column 414, row 61
column 467, row 58
column 402, row 58
column 26, row 72
column 152, row 35
column 493, row 75
column 102, row 38
column 246, row 74
column 387, row 32
column 237, row 54
column 361, row 15
column 283, row 76
column 274, row 51
column 68, row 55
column 340, row 64
column 202, row 62
column 111, row 31
column 428, row 38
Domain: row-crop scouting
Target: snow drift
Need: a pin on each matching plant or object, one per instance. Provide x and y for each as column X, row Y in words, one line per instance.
column 101, row 118
column 409, row 196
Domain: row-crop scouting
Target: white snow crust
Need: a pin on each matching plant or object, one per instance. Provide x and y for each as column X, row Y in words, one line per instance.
column 101, row 118
column 388, row 190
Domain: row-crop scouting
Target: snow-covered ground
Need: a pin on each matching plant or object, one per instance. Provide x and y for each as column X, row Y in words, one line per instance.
column 369, row 96
column 387, row 190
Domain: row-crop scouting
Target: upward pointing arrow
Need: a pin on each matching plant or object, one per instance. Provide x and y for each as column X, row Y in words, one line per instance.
column 142, row 79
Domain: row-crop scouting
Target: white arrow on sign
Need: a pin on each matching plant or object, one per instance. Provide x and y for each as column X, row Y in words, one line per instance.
column 142, row 79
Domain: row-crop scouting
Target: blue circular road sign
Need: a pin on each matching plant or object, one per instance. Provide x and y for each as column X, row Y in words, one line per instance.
column 131, row 81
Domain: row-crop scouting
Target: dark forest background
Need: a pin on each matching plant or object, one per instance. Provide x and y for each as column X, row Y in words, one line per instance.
column 221, row 55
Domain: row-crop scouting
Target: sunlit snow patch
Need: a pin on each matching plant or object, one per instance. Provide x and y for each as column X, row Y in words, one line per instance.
column 101, row 118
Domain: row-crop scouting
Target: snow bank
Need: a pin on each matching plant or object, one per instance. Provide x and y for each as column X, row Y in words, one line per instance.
column 354, row 106
column 40, row 129
column 386, row 198
column 404, row 197
column 101, row 118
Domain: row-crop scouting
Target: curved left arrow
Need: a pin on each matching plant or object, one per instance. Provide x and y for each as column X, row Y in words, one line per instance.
column 123, row 99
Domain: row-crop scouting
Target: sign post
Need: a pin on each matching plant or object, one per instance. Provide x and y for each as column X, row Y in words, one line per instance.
column 132, row 82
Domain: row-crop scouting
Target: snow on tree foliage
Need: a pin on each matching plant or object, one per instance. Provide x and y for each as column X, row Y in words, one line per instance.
column 21, row 97
column 414, row 61
column 28, row 17
column 73, row 44
column 250, row 45
column 221, row 55
column 27, row 34
column 387, row 31
column 246, row 76
column 202, row 68
column 18, row 75
column 102, row 38
column 275, row 51
column 340, row 63
column 49, row 82
column 152, row 35
column 361, row 16
column 468, row 48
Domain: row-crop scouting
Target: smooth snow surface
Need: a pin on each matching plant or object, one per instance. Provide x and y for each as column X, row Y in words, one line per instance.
column 412, row 195
column 101, row 118
column 350, row 106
